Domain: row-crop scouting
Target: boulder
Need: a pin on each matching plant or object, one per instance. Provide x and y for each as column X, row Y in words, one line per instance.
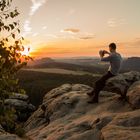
column 125, row 126
column 7, row 136
column 120, row 83
column 18, row 96
column 20, row 103
column 133, row 94
column 66, row 115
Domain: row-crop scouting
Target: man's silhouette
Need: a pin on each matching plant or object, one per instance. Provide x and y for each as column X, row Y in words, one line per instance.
column 115, row 60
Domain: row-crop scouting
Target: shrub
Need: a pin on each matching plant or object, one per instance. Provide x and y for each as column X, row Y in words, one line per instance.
column 11, row 60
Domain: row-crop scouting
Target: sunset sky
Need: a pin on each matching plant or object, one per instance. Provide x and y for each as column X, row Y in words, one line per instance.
column 68, row 28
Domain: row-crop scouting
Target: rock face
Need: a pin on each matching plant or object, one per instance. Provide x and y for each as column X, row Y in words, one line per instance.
column 120, row 84
column 6, row 136
column 125, row 126
column 20, row 103
column 134, row 95
column 18, row 96
column 66, row 115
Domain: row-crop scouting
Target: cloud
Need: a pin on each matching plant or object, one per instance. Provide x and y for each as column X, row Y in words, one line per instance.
column 35, row 34
column 51, row 36
column 71, row 30
column 134, row 43
column 86, row 36
column 137, row 38
column 36, row 4
column 27, row 28
column 114, row 22
column 75, row 33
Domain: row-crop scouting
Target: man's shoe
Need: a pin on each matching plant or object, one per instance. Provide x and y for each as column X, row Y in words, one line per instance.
column 90, row 93
column 43, row 107
column 92, row 101
column 123, row 98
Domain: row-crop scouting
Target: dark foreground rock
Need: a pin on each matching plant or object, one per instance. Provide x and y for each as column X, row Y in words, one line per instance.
column 21, row 104
column 6, row 136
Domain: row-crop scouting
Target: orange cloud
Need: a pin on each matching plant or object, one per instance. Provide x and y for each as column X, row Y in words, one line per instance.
column 71, row 30
column 86, row 37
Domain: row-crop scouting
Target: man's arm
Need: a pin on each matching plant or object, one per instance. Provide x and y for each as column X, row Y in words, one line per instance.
column 106, row 59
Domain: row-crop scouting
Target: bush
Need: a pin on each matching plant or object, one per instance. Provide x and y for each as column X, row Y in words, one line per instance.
column 20, row 131
column 11, row 60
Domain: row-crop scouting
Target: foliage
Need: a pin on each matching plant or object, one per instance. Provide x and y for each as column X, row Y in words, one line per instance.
column 20, row 131
column 7, row 118
column 11, row 58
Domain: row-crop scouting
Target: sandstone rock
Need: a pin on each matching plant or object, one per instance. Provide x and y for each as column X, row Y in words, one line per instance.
column 81, row 87
column 125, row 126
column 102, row 122
column 7, row 136
column 35, row 120
column 134, row 95
column 71, row 117
column 120, row 84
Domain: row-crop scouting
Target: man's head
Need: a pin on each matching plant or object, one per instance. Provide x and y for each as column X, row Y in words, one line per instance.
column 112, row 47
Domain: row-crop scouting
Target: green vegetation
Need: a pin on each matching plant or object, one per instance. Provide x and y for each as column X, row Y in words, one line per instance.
column 11, row 61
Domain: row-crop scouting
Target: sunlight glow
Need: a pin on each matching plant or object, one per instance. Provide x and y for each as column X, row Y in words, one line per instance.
column 26, row 51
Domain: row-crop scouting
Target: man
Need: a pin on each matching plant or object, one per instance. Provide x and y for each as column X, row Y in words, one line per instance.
column 115, row 60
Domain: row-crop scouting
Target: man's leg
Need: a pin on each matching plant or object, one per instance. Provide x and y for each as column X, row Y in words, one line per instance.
column 99, row 85
column 96, row 86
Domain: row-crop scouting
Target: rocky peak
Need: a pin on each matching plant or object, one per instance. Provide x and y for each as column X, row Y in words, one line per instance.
column 66, row 115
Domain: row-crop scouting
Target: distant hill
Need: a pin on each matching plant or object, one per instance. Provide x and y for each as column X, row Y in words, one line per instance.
column 40, row 61
column 80, row 61
column 132, row 63
column 92, row 65
column 50, row 63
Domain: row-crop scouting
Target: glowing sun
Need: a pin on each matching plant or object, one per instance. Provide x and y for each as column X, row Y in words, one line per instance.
column 26, row 51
